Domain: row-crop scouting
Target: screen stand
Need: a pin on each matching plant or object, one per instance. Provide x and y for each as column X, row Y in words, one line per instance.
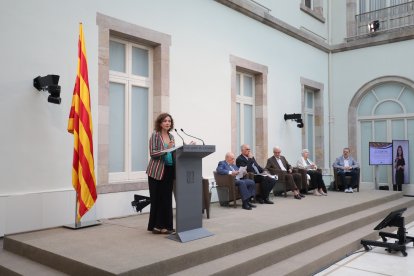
column 376, row 172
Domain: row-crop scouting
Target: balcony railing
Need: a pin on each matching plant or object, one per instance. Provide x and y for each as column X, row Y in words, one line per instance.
column 389, row 18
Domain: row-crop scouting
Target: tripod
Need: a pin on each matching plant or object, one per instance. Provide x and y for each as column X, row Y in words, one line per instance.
column 393, row 219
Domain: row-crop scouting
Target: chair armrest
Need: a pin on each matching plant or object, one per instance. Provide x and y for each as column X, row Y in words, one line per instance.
column 223, row 179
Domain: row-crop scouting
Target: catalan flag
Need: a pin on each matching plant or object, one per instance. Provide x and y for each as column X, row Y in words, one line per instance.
column 80, row 125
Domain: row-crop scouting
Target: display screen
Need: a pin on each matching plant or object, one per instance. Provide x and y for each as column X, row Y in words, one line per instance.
column 380, row 153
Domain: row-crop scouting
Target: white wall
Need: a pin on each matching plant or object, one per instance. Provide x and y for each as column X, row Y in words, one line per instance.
column 337, row 21
column 36, row 150
column 290, row 12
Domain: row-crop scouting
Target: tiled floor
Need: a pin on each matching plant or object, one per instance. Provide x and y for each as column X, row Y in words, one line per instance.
column 376, row 261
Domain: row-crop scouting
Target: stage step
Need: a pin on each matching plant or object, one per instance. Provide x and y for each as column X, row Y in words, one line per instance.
column 306, row 251
column 13, row 265
column 330, row 252
column 265, row 241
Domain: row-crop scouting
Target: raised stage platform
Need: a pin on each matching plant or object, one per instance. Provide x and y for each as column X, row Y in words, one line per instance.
column 290, row 237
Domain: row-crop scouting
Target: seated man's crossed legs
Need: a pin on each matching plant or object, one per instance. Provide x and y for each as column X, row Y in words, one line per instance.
column 266, row 186
column 294, row 181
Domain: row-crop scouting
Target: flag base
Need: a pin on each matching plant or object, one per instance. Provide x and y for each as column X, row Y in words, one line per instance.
column 82, row 224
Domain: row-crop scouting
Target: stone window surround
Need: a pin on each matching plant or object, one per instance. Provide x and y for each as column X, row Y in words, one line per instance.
column 318, row 89
column 160, row 42
column 260, row 106
column 316, row 11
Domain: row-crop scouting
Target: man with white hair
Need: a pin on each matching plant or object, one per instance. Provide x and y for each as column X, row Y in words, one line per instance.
column 315, row 177
column 277, row 164
column 247, row 187
column 246, row 159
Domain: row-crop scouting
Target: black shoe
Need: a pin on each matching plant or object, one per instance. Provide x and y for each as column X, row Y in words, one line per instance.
column 301, row 195
column 246, row 206
column 251, row 205
column 297, row 196
column 260, row 200
column 267, row 201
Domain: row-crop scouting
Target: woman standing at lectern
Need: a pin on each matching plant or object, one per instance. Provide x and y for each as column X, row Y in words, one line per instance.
column 399, row 164
column 160, row 173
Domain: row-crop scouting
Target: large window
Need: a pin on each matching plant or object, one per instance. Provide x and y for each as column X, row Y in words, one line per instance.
column 245, row 109
column 249, row 107
column 133, row 84
column 130, row 94
column 385, row 113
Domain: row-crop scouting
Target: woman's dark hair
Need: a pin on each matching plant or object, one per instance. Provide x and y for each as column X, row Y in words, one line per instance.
column 160, row 118
column 402, row 152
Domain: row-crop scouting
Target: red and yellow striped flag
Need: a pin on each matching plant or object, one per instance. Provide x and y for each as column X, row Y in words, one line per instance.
column 80, row 125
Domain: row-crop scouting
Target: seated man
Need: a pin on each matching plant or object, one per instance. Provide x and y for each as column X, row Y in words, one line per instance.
column 346, row 165
column 315, row 176
column 246, row 159
column 279, row 165
column 247, row 187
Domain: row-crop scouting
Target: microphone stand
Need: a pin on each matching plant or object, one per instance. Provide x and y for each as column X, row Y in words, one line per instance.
column 179, row 136
column 193, row 136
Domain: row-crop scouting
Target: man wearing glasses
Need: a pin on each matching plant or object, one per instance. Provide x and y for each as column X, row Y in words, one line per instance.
column 246, row 159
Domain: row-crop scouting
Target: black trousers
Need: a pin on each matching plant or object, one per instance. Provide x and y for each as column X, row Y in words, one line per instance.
column 161, row 211
column 399, row 180
column 316, row 181
column 266, row 185
column 353, row 181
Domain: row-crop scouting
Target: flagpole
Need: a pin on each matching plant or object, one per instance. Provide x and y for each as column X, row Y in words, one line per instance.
column 83, row 171
column 77, row 223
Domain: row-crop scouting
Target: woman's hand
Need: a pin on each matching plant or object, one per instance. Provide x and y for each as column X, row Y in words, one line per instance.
column 171, row 144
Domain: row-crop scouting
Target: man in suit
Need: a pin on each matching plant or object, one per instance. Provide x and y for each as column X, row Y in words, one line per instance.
column 246, row 159
column 346, row 165
column 247, row 187
column 277, row 164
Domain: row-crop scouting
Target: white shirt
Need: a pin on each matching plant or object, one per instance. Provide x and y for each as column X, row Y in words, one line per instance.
column 346, row 163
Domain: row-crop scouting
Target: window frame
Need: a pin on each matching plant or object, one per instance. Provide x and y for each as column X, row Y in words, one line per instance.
column 130, row 80
column 242, row 100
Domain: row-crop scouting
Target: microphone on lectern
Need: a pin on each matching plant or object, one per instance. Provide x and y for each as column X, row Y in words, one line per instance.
column 179, row 136
column 192, row 136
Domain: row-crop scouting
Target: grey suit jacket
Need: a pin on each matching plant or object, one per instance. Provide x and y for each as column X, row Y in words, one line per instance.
column 340, row 163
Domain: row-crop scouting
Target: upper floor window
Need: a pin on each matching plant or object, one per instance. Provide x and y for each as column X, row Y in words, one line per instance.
column 313, row 8
column 382, row 15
